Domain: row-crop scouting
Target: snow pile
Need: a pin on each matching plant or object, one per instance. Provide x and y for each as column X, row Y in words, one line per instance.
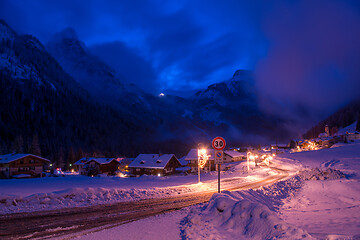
column 252, row 214
column 82, row 197
column 231, row 216
column 321, row 174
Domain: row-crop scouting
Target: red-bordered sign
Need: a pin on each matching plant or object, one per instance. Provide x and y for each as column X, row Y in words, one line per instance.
column 218, row 143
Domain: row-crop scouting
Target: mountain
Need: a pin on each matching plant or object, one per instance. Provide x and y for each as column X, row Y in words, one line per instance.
column 162, row 116
column 340, row 119
column 231, row 106
column 72, row 101
column 88, row 70
column 39, row 98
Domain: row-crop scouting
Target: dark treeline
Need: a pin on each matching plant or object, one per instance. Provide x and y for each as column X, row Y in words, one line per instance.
column 342, row 118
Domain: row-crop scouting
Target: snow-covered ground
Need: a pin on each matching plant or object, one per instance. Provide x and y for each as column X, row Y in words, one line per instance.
column 35, row 194
column 321, row 202
column 328, row 208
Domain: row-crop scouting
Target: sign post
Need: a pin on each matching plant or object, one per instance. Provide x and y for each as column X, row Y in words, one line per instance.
column 219, row 144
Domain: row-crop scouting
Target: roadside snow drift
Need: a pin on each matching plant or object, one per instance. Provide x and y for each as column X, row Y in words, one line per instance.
column 230, row 216
column 252, row 214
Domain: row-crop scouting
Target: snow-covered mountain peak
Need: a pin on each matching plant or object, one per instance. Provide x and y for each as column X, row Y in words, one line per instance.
column 87, row 69
column 67, row 39
column 67, row 33
column 242, row 75
column 5, row 31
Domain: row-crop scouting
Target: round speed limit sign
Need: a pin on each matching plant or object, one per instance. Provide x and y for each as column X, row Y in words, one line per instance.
column 218, row 143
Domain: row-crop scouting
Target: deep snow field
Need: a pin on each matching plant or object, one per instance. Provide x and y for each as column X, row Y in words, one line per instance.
column 321, row 202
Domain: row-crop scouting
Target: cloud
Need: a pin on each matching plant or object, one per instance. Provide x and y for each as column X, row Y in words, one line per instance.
column 134, row 68
column 305, row 53
column 313, row 56
column 187, row 44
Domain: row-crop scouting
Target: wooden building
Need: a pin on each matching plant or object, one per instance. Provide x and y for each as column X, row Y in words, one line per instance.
column 234, row 156
column 21, row 165
column 192, row 159
column 229, row 156
column 94, row 166
column 154, row 164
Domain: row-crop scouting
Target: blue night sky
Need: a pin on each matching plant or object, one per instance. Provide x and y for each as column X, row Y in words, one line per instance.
column 300, row 51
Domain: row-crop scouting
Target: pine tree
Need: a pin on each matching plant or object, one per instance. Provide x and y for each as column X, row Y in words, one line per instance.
column 35, row 146
column 60, row 159
column 3, row 149
column 71, row 156
column 18, row 145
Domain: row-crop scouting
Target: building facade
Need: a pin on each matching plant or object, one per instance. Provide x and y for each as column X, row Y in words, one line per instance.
column 16, row 165
column 154, row 164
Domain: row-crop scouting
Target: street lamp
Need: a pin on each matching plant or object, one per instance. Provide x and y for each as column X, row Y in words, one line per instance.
column 202, row 158
column 248, row 158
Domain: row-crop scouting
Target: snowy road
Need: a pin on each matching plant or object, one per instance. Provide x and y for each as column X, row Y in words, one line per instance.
column 66, row 221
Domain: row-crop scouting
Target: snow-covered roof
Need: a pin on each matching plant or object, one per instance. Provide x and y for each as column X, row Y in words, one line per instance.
column 100, row 161
column 13, row 157
column 182, row 161
column 183, row 169
column 151, row 161
column 126, row 161
column 235, row 154
column 193, row 154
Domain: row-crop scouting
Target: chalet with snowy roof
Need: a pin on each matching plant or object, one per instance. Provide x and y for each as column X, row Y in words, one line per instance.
column 229, row 156
column 192, row 159
column 97, row 165
column 124, row 163
column 154, row 164
column 21, row 165
column 234, row 156
column 183, row 168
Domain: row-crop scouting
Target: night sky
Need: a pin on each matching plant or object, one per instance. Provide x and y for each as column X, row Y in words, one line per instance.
column 303, row 53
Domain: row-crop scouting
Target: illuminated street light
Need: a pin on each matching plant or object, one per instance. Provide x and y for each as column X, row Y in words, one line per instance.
column 248, row 158
column 202, row 159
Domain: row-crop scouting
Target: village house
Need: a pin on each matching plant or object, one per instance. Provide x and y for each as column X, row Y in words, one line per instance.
column 94, row 166
column 154, row 164
column 234, row 156
column 124, row 163
column 192, row 159
column 229, row 156
column 21, row 165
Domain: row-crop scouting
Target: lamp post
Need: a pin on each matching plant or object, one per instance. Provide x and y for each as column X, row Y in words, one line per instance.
column 202, row 159
column 198, row 165
column 247, row 158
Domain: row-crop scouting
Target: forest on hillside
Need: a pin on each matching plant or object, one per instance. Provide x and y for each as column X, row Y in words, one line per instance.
column 340, row 119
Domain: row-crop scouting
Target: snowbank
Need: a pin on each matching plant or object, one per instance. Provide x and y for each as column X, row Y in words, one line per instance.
column 231, row 216
column 36, row 194
column 82, row 197
column 252, row 214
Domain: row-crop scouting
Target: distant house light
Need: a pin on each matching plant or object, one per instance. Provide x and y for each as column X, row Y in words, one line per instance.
column 161, row 95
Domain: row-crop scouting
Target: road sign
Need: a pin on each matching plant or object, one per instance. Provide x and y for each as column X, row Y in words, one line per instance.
column 219, row 157
column 218, row 143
